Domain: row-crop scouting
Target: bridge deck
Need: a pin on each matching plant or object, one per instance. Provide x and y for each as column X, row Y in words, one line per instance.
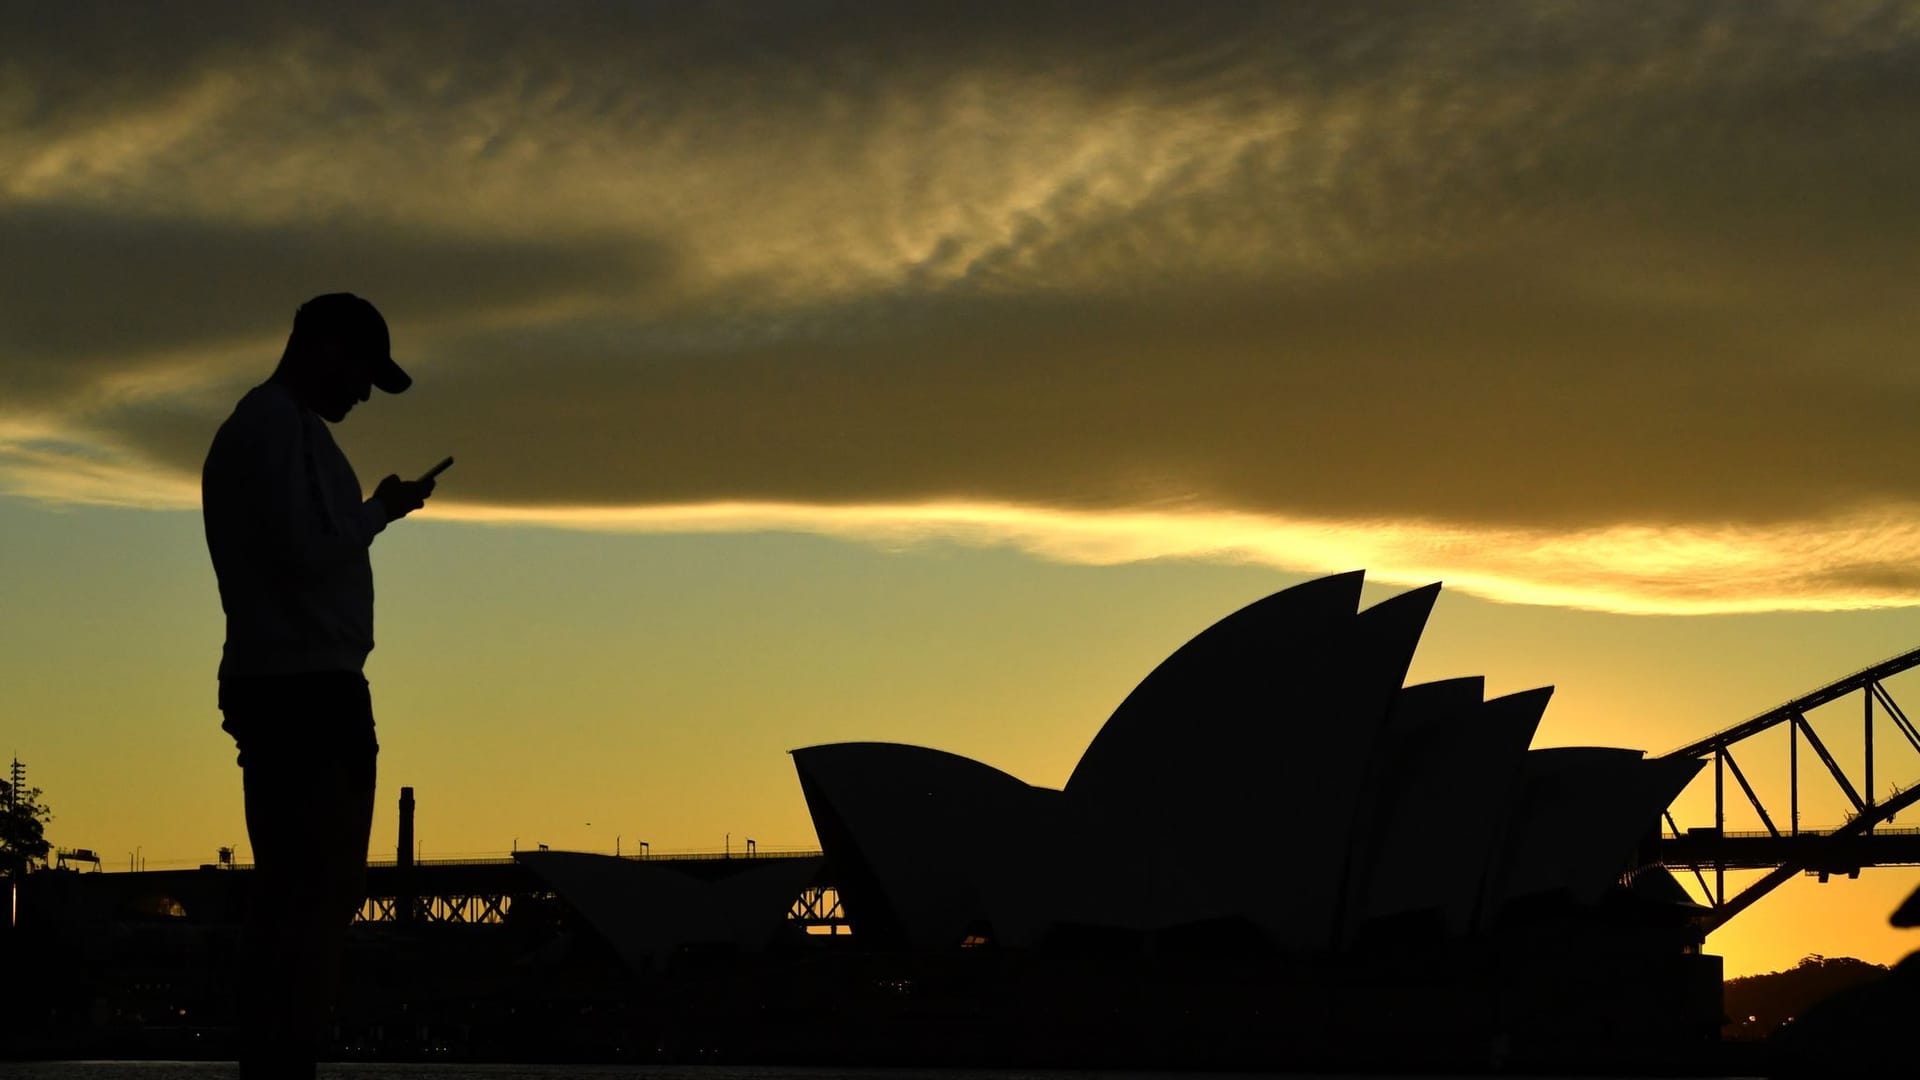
column 1819, row 852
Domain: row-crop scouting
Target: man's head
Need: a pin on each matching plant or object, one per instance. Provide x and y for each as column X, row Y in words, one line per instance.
column 337, row 354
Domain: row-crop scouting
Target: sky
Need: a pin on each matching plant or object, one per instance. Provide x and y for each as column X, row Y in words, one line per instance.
column 927, row 373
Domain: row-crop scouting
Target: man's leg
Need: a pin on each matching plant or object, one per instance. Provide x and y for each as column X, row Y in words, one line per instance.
column 280, row 965
column 309, row 803
column 345, row 887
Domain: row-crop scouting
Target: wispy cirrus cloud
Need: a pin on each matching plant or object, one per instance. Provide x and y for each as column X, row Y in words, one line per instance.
column 1560, row 305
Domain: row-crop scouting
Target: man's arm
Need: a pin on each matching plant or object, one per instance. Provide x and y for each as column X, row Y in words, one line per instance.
column 278, row 483
column 286, row 494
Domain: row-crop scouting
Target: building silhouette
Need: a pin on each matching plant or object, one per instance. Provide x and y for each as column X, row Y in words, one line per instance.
column 1273, row 773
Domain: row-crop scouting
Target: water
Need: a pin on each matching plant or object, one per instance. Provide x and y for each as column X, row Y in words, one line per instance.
column 196, row 1070
column 199, row 1070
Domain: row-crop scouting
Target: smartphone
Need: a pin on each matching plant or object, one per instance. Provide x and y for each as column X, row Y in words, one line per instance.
column 435, row 471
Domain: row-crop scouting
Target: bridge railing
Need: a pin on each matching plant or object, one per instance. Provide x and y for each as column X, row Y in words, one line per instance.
column 1762, row 834
column 505, row 858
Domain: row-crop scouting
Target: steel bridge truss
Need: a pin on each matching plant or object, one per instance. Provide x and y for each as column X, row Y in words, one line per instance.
column 817, row 911
column 1794, row 851
column 470, row 908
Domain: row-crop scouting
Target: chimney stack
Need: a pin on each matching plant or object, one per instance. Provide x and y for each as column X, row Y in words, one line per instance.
column 405, row 903
column 404, row 857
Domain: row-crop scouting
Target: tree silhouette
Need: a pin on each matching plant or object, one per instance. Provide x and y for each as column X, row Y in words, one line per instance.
column 23, row 824
column 1757, row 1004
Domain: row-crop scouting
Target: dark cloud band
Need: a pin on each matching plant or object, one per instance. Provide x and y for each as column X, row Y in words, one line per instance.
column 1533, row 267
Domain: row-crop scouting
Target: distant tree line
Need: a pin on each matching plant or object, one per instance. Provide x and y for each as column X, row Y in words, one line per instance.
column 1757, row 1004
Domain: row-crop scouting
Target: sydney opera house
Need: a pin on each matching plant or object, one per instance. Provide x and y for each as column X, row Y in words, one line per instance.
column 1275, row 796
column 1273, row 774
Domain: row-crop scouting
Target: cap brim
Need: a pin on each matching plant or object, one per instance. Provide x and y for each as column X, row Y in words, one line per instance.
column 388, row 376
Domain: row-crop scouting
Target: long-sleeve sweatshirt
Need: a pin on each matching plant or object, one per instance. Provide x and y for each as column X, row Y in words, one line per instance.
column 289, row 534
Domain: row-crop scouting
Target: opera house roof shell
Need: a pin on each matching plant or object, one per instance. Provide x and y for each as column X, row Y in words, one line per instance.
column 1273, row 773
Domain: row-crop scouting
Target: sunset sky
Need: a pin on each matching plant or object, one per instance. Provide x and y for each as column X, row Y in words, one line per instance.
column 927, row 373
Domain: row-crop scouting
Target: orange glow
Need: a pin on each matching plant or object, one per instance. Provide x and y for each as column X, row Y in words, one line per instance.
column 1628, row 569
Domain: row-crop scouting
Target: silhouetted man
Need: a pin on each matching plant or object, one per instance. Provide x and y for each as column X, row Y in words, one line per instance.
column 289, row 535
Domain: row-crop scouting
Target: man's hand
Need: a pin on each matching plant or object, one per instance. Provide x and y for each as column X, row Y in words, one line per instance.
column 402, row 497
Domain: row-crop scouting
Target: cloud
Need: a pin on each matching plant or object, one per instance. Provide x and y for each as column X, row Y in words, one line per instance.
column 1401, row 274
column 95, row 298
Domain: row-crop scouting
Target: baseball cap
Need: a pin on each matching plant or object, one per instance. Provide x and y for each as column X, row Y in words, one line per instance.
column 347, row 318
